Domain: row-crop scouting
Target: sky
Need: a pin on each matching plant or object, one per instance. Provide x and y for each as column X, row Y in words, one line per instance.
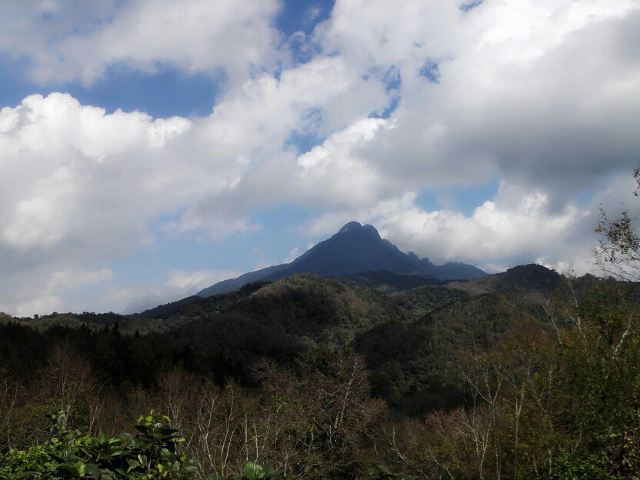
column 149, row 148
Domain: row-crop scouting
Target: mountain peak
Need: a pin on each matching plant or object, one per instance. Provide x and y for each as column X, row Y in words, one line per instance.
column 359, row 229
column 371, row 229
column 356, row 248
column 533, row 276
column 350, row 227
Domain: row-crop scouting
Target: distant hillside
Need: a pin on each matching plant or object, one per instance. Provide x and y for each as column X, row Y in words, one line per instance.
column 353, row 250
column 411, row 330
column 388, row 281
column 533, row 278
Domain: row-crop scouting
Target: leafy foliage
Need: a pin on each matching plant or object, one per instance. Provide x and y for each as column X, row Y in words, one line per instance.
column 150, row 454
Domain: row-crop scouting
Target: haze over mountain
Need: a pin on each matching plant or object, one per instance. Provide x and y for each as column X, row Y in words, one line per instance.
column 355, row 248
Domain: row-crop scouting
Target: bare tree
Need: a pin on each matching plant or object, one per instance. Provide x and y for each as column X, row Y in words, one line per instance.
column 68, row 385
column 9, row 390
column 177, row 392
column 618, row 250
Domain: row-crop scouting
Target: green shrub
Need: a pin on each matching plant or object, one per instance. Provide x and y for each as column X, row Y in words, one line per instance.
column 150, row 454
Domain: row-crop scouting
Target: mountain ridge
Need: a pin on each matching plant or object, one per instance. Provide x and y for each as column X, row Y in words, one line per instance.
column 354, row 249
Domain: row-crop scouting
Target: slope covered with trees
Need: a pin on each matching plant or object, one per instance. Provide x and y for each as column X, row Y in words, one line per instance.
column 526, row 374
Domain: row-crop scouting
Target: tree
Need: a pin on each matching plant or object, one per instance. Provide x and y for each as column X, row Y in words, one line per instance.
column 618, row 251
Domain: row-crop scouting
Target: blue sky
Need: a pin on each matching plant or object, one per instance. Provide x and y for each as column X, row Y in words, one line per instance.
column 164, row 93
column 233, row 138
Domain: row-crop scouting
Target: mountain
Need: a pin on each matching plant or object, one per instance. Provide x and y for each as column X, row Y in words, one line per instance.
column 532, row 278
column 354, row 249
column 412, row 337
column 389, row 282
column 413, row 332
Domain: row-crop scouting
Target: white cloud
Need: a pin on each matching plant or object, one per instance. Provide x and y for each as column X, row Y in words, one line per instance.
column 496, row 234
column 294, row 253
column 41, row 304
column 73, row 278
column 66, row 41
column 178, row 284
column 495, row 230
column 80, row 185
column 47, row 294
column 251, row 127
column 537, row 92
column 193, row 281
column 335, row 173
column 68, row 172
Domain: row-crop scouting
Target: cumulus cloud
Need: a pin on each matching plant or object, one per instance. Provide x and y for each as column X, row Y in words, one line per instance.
column 494, row 231
column 523, row 98
column 80, row 185
column 68, row 172
column 334, row 173
column 252, row 127
column 65, row 41
column 75, row 189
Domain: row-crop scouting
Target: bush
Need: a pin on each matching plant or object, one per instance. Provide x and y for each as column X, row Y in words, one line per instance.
column 150, row 454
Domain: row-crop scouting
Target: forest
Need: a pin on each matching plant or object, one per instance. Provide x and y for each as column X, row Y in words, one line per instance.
column 526, row 374
column 536, row 377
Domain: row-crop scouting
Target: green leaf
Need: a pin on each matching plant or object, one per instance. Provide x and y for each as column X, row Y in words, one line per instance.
column 253, row 471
